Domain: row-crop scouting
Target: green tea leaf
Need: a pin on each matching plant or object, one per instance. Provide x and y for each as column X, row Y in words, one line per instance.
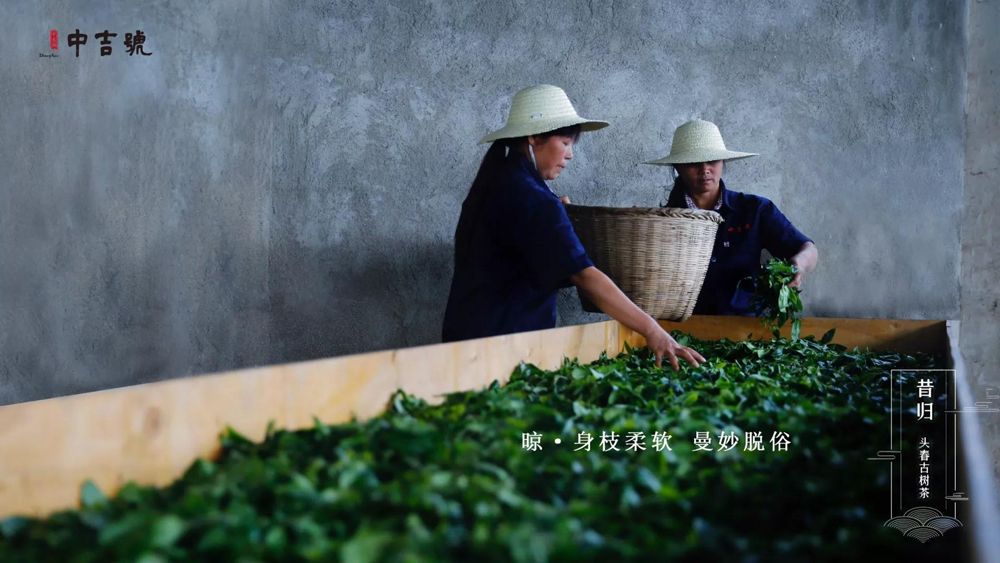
column 773, row 300
column 167, row 530
column 128, row 524
column 10, row 526
column 90, row 495
column 783, row 297
column 365, row 547
column 828, row 336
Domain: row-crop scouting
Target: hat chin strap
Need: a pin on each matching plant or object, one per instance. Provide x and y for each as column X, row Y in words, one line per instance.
column 531, row 152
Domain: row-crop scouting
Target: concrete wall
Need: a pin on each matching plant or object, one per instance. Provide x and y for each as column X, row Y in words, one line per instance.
column 980, row 337
column 281, row 181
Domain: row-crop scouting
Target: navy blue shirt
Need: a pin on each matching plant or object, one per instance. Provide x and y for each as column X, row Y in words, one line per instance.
column 752, row 223
column 514, row 249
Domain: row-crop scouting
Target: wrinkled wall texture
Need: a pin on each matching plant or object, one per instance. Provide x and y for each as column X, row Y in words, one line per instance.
column 980, row 337
column 281, row 181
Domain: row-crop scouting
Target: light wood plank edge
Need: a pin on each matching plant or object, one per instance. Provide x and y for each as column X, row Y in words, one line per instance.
column 901, row 335
column 151, row 433
column 983, row 515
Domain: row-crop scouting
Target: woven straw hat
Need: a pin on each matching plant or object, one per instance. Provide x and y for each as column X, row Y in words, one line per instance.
column 698, row 141
column 540, row 109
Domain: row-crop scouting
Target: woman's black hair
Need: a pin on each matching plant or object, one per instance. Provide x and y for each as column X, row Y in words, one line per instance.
column 495, row 158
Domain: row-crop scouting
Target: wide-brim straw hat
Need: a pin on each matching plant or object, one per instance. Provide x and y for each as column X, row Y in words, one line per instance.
column 540, row 109
column 698, row 141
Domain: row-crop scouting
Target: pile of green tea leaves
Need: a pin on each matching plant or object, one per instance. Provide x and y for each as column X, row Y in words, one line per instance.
column 773, row 300
column 455, row 482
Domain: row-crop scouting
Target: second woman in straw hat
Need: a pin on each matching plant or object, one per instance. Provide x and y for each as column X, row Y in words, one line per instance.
column 752, row 223
column 514, row 245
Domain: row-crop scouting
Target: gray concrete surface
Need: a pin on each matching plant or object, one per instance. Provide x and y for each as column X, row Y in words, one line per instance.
column 980, row 336
column 281, row 181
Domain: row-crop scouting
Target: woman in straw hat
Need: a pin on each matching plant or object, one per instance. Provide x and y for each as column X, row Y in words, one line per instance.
column 514, row 245
column 751, row 222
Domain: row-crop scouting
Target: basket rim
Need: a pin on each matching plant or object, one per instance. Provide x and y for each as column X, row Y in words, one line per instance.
column 649, row 212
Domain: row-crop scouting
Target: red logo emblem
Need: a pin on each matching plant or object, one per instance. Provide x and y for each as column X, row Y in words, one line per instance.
column 54, row 39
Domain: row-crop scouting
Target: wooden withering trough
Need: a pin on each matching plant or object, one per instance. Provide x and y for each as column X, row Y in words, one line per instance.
column 151, row 433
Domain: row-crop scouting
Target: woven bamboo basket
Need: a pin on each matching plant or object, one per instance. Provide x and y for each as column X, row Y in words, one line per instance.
column 657, row 256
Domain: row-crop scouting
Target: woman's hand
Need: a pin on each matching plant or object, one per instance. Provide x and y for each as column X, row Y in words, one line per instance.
column 664, row 346
column 804, row 261
column 564, row 199
column 796, row 282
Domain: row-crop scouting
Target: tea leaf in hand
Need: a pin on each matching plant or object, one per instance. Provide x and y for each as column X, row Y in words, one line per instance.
column 773, row 300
